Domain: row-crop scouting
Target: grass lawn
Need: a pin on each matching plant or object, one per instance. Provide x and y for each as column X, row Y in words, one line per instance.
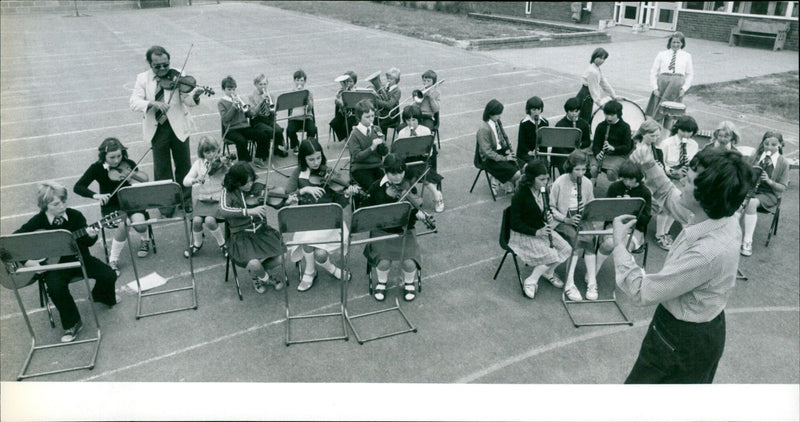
column 419, row 23
column 771, row 95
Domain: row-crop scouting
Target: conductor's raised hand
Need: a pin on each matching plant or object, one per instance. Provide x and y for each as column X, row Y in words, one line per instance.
column 623, row 225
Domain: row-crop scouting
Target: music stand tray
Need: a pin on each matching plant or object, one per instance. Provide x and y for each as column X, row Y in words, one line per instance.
column 415, row 146
column 603, row 210
column 159, row 194
column 366, row 219
column 308, row 218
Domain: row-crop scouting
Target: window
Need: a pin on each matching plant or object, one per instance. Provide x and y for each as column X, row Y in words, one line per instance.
column 665, row 15
column 693, row 5
column 630, row 12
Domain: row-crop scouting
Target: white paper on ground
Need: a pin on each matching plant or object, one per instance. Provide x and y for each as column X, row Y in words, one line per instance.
column 147, row 282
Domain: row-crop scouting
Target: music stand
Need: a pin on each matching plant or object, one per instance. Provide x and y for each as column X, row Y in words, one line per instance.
column 287, row 102
column 303, row 218
column 415, row 146
column 350, row 99
column 557, row 137
column 603, row 210
column 366, row 219
column 164, row 193
column 17, row 248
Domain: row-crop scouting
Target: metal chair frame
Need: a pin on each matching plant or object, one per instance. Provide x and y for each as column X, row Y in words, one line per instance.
column 22, row 247
column 773, row 226
column 160, row 194
column 350, row 99
column 505, row 231
column 478, row 163
column 366, row 219
column 226, row 143
column 603, row 210
column 302, row 218
column 557, row 137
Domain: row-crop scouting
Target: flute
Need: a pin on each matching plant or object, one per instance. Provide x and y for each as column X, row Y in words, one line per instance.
column 546, row 213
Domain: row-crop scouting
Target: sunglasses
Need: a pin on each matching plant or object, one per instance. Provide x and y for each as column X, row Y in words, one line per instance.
column 161, row 66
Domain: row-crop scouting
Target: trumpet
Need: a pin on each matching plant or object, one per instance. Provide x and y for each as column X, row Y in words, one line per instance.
column 266, row 105
column 418, row 95
column 240, row 104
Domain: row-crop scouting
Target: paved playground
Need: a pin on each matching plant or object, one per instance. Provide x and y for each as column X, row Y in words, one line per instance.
column 66, row 83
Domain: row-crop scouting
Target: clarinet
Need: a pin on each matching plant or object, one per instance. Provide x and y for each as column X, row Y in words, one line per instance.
column 602, row 154
column 547, row 212
column 752, row 192
column 578, row 185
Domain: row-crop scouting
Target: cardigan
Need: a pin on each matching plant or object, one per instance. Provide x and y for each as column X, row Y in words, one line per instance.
column 527, row 139
column 619, row 136
column 487, row 145
column 780, row 173
column 526, row 216
column 98, row 173
column 561, row 191
column 231, row 116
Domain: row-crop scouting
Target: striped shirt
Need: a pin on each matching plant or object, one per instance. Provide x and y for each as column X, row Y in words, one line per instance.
column 699, row 272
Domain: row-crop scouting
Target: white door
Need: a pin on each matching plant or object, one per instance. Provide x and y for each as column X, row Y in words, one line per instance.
column 647, row 13
column 626, row 12
column 665, row 14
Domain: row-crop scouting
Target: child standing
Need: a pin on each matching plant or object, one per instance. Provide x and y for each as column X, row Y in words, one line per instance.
column 570, row 192
column 772, row 182
column 109, row 171
column 205, row 177
column 531, row 230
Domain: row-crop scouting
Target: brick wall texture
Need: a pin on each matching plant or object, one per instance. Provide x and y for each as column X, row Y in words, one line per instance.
column 717, row 27
column 546, row 10
column 11, row 7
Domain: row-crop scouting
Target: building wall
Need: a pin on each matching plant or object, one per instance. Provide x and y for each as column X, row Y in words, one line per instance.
column 546, row 10
column 717, row 27
column 11, row 7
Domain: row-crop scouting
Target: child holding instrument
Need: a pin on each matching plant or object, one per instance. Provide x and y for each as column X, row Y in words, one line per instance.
column 53, row 214
column 678, row 150
column 381, row 254
column 527, row 140
column 725, row 136
column 569, row 193
column 388, row 100
column 412, row 116
column 429, row 104
column 613, row 138
column 205, row 177
column 305, row 186
column 532, row 237
column 297, row 124
column 771, row 184
column 367, row 147
column 253, row 243
column 234, row 113
column 111, row 169
column 630, row 185
column 262, row 117
column 341, row 120
column 572, row 110
column 495, row 150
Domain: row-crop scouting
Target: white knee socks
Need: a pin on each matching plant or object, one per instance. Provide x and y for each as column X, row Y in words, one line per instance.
column 116, row 249
column 308, row 260
column 591, row 268
column 571, row 275
column 749, row 226
column 219, row 236
column 663, row 224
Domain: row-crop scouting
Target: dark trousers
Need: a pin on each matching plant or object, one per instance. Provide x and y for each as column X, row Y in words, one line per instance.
column 587, row 102
column 165, row 143
column 295, row 126
column 58, row 288
column 268, row 125
column 366, row 177
column 256, row 134
column 679, row 352
column 340, row 125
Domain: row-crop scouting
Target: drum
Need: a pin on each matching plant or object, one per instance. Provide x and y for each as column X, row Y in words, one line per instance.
column 632, row 114
column 672, row 108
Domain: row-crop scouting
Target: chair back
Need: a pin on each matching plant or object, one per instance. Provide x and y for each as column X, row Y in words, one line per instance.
column 559, row 137
column 505, row 229
column 159, row 194
column 310, row 217
column 476, row 160
column 17, row 248
column 385, row 216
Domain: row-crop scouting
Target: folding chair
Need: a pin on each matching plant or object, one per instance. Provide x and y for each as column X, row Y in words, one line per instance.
column 105, row 242
column 557, row 137
column 416, row 148
column 366, row 219
column 17, row 248
column 479, row 165
column 350, row 99
column 435, row 130
column 230, row 265
column 773, row 226
column 603, row 210
column 505, row 233
column 287, row 102
column 160, row 194
column 303, row 218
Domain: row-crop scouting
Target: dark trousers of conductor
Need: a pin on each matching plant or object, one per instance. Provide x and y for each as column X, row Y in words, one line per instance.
column 58, row 288
column 165, row 143
column 679, row 352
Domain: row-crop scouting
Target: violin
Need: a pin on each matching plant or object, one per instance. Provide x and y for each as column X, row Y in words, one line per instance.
column 120, row 172
column 219, row 163
column 183, row 83
column 276, row 196
column 397, row 192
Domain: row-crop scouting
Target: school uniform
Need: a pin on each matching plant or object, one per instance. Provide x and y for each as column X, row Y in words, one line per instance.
column 365, row 163
column 777, row 168
column 392, row 249
column 251, row 237
column 492, row 146
column 526, row 218
column 527, row 138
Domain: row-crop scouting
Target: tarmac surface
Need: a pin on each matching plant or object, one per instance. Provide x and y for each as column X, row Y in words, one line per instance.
column 59, row 102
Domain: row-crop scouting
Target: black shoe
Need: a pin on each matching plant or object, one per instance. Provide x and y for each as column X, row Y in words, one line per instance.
column 188, row 208
column 281, row 153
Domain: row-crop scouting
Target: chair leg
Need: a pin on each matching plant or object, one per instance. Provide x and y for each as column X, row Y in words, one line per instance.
column 519, row 277
column 500, row 266
column 475, row 181
column 489, row 181
column 105, row 243
column 152, row 238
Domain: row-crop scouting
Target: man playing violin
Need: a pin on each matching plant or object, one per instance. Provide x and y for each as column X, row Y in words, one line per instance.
column 165, row 122
column 262, row 118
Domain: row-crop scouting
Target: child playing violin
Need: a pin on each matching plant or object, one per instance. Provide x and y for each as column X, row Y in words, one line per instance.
column 305, row 187
column 532, row 237
column 253, row 243
column 569, row 193
column 111, row 169
column 205, row 177
column 381, row 254
column 412, row 116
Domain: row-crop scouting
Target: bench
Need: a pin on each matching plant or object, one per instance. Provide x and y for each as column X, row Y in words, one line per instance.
column 760, row 29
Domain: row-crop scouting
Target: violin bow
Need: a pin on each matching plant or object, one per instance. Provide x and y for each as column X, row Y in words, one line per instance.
column 180, row 73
